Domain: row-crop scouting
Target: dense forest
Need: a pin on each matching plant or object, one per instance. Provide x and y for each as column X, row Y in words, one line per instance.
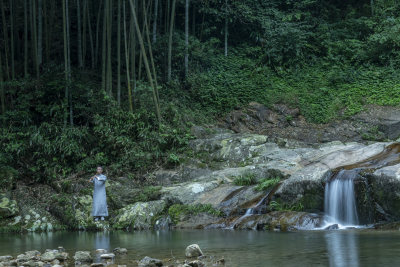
column 120, row 82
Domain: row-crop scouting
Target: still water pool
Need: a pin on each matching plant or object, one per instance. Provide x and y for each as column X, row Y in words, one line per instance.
column 239, row 248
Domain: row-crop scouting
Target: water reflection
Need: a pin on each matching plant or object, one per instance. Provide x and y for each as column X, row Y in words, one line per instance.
column 101, row 241
column 342, row 248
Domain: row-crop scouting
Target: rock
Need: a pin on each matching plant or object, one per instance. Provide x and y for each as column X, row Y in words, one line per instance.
column 332, row 227
column 8, row 208
column 197, row 221
column 138, row 216
column 29, row 255
column 49, row 256
column 100, row 250
column 163, row 223
column 120, row 250
column 5, row 258
column 193, row 251
column 220, row 261
column 149, row 262
column 387, row 119
column 107, row 256
column 97, row 265
column 83, row 257
column 385, row 190
column 196, row 263
column 281, row 220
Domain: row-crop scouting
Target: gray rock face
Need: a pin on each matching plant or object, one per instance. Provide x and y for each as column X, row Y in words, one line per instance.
column 83, row 257
column 150, row 262
column 120, row 250
column 138, row 216
column 192, row 251
column 385, row 190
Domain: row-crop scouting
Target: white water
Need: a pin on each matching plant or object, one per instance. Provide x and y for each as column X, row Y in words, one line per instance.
column 340, row 204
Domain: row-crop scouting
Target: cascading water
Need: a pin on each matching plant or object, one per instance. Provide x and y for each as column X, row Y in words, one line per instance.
column 340, row 204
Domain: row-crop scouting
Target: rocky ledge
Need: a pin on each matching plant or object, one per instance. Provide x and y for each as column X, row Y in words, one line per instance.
column 221, row 178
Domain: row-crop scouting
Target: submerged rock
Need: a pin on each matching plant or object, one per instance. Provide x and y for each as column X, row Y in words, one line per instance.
column 196, row 263
column 332, row 227
column 120, row 250
column 192, row 251
column 150, row 262
column 107, row 256
column 83, row 257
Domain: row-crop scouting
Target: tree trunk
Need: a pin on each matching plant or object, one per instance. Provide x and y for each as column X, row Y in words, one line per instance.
column 34, row 38
column 71, row 112
column 128, row 80
column 193, row 21
column 372, row 7
column 133, row 56
column 155, row 21
column 171, row 31
column 2, row 94
column 186, row 38
column 5, row 35
column 146, row 63
column 151, row 54
column 104, row 51
column 84, row 26
column 12, row 39
column 65, row 63
column 79, row 25
column 226, row 28
column 119, row 54
column 109, row 36
column 97, row 32
column 40, row 33
column 25, row 39
column 92, row 52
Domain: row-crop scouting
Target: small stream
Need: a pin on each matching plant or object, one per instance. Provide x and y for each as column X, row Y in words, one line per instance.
column 239, row 248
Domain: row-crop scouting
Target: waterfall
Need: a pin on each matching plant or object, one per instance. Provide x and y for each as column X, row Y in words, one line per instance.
column 340, row 203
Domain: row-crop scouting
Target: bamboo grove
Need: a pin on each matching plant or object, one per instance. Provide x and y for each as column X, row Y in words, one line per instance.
column 111, row 37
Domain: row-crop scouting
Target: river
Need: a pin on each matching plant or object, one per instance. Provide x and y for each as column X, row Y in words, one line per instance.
column 239, row 248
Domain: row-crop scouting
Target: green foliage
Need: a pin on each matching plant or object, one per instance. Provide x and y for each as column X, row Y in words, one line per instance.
column 277, row 206
column 267, row 183
column 245, row 179
column 148, row 193
column 178, row 210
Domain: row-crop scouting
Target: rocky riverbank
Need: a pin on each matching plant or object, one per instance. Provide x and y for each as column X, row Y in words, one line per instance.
column 222, row 175
column 118, row 258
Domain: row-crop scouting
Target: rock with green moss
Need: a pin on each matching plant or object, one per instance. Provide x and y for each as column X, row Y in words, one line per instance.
column 8, row 207
column 281, row 221
column 138, row 216
column 83, row 217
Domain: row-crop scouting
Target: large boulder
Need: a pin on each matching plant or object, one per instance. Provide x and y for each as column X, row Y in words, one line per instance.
column 139, row 216
column 83, row 257
column 193, row 250
column 8, row 207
